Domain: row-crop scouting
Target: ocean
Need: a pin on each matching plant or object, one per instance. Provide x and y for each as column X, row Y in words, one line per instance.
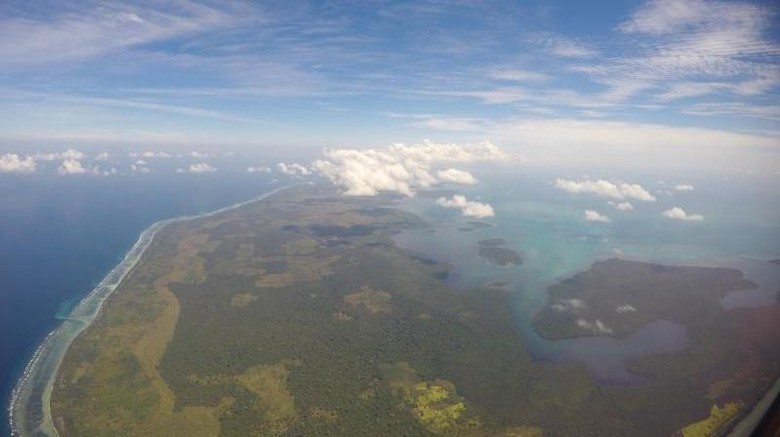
column 59, row 236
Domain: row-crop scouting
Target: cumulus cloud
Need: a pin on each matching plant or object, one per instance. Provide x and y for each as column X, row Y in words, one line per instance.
column 400, row 168
column 595, row 216
column 151, row 154
column 260, row 169
column 622, row 206
column 621, row 309
column 70, row 154
column 468, row 208
column 604, row 188
column 12, row 163
column 678, row 213
column 71, row 166
column 596, row 326
column 456, row 176
column 569, row 305
column 293, row 169
column 201, row 167
column 684, row 187
column 102, row 156
column 143, row 169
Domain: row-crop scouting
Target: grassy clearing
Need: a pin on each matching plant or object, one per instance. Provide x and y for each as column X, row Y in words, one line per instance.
column 375, row 301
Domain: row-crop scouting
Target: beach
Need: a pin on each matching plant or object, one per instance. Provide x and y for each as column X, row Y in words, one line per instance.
column 29, row 409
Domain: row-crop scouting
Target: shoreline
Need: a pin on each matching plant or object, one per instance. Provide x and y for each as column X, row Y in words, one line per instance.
column 29, row 409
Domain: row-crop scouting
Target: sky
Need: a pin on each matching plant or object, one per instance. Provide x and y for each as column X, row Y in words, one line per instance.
column 633, row 83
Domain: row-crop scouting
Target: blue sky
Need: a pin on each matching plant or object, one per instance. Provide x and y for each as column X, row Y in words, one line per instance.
column 651, row 81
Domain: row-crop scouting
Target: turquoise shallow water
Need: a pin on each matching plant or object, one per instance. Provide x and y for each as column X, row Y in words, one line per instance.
column 547, row 227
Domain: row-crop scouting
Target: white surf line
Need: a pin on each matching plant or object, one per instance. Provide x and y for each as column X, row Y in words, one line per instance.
column 44, row 364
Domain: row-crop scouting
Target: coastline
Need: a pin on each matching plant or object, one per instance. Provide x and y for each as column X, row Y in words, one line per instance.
column 29, row 410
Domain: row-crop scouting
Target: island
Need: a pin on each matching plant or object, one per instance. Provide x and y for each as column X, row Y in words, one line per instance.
column 491, row 250
column 298, row 315
column 473, row 225
column 617, row 297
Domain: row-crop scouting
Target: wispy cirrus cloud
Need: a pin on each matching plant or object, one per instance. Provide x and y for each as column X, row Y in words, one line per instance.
column 83, row 30
column 690, row 43
column 205, row 71
column 562, row 46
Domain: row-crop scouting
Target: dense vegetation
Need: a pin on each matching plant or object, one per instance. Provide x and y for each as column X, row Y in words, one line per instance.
column 298, row 315
column 626, row 295
column 492, row 251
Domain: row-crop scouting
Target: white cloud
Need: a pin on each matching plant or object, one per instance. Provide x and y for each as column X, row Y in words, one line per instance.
column 468, row 208
column 455, row 176
column 578, row 141
column 620, row 309
column 571, row 49
column 201, row 167
column 400, row 168
column 12, row 163
column 678, row 213
column 142, row 169
column 684, row 187
column 662, row 17
column 259, row 169
column 623, row 206
column 698, row 47
column 71, row 166
column 596, row 327
column 605, row 188
column 563, row 47
column 516, row 75
column 152, row 154
column 569, row 305
column 595, row 216
column 102, row 156
column 100, row 30
column 293, row 169
column 57, row 156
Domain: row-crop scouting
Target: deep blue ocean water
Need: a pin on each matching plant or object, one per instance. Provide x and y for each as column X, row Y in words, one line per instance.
column 59, row 236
